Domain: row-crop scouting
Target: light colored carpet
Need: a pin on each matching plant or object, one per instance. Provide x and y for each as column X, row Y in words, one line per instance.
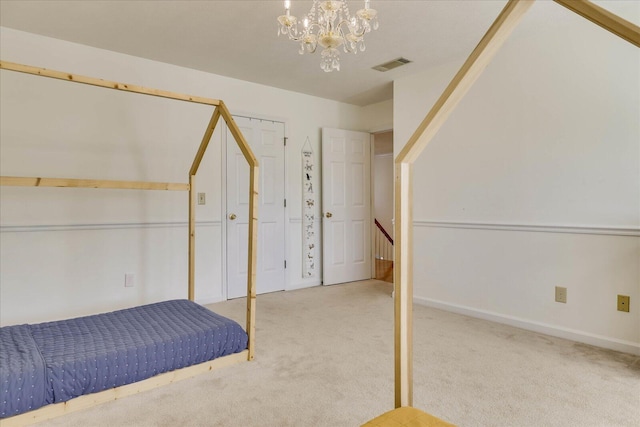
column 325, row 358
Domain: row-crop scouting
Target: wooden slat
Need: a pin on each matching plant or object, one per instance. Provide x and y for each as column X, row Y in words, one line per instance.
column 403, row 285
column 235, row 131
column 607, row 20
column 11, row 66
column 205, row 141
column 192, row 200
column 19, row 181
column 461, row 83
column 90, row 400
column 192, row 238
column 254, row 174
column 464, row 79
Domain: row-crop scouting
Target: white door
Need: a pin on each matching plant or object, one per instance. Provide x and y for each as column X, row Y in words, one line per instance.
column 346, row 206
column 266, row 139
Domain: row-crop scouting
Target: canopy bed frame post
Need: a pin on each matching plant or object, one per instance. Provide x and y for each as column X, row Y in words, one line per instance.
column 403, row 272
column 191, row 286
column 461, row 83
column 254, row 175
column 192, row 198
column 81, row 402
column 455, row 91
column 220, row 110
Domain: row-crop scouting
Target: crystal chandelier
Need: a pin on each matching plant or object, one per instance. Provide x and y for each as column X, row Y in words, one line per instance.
column 330, row 25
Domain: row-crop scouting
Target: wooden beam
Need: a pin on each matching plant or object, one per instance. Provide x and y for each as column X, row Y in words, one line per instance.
column 90, row 400
column 237, row 135
column 607, row 20
column 19, row 181
column 461, row 83
column 464, row 79
column 192, row 238
column 192, row 201
column 60, row 75
column 252, row 267
column 205, row 141
column 403, row 285
column 254, row 175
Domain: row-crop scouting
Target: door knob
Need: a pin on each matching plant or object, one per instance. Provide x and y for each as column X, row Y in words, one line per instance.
column 232, row 216
column 328, row 214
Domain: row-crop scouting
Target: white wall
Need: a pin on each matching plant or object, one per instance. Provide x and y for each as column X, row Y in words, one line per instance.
column 534, row 182
column 64, row 252
column 379, row 116
column 383, row 190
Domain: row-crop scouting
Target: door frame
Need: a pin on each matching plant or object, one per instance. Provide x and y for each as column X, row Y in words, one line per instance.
column 371, row 200
column 223, row 195
column 373, row 133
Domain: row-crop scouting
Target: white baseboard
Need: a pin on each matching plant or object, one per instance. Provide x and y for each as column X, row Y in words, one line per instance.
column 570, row 334
column 209, row 300
column 303, row 285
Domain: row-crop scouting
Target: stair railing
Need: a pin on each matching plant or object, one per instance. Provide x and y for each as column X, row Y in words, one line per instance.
column 383, row 243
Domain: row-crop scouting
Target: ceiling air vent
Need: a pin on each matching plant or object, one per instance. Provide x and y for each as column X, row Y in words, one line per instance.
column 391, row 64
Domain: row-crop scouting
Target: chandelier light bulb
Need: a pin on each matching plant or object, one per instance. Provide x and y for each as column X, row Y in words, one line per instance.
column 330, row 25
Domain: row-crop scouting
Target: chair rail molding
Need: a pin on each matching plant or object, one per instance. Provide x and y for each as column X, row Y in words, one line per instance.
column 103, row 226
column 537, row 228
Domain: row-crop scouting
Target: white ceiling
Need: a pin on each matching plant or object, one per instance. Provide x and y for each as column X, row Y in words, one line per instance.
column 239, row 38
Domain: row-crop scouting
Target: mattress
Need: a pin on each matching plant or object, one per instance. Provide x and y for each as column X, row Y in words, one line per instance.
column 94, row 353
column 22, row 372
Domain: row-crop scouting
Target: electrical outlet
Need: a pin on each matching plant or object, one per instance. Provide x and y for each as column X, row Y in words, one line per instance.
column 623, row 303
column 561, row 294
column 129, row 280
column 202, row 198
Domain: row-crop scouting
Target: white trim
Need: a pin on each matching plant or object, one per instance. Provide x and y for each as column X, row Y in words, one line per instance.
column 544, row 328
column 566, row 229
column 103, row 226
column 384, row 128
column 372, row 200
column 210, row 300
column 304, row 284
column 295, row 220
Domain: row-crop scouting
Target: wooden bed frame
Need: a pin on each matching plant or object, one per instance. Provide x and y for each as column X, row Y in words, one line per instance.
column 455, row 91
column 54, row 410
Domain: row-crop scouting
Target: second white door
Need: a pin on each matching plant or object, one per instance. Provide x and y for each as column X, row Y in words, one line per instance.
column 346, row 205
column 266, row 139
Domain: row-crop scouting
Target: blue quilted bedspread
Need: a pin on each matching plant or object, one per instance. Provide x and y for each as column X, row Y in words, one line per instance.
column 22, row 372
column 95, row 353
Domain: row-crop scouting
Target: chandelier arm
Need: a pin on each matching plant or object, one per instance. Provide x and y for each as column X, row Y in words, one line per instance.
column 301, row 34
column 292, row 34
column 351, row 31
